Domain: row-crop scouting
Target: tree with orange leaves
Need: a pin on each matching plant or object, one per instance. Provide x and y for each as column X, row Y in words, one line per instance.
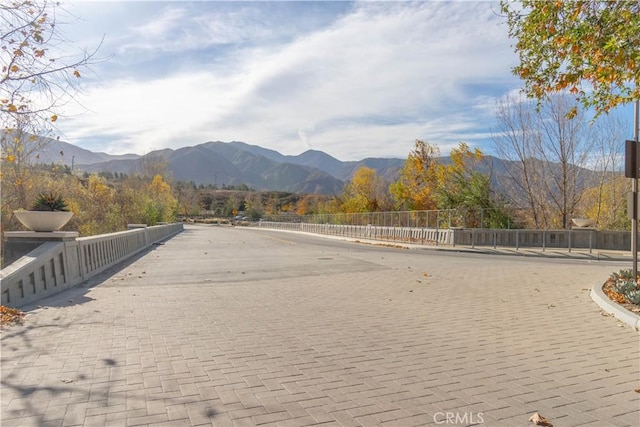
column 418, row 179
column 589, row 48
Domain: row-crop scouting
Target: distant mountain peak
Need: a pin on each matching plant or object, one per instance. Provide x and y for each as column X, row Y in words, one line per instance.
column 234, row 163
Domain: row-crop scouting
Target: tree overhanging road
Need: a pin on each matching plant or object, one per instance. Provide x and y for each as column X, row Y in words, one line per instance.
column 230, row 326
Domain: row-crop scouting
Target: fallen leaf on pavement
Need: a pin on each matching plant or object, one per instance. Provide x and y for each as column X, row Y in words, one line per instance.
column 10, row 316
column 539, row 420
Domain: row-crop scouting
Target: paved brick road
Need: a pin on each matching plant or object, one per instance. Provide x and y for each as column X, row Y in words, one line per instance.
column 231, row 327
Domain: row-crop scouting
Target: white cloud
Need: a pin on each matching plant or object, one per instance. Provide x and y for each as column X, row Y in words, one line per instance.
column 367, row 85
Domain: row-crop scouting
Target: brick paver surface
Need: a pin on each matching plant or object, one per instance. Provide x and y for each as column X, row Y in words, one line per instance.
column 230, row 327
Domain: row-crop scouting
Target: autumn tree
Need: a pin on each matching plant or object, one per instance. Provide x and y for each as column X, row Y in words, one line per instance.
column 39, row 67
column 302, row 208
column 253, row 206
column 366, row 192
column 588, row 48
column 604, row 202
column 309, row 204
column 161, row 205
column 418, row 179
column 38, row 75
column 17, row 147
column 146, row 201
column 564, row 146
column 187, row 196
column 463, row 187
column 453, row 177
column 93, row 201
column 547, row 154
column 153, row 165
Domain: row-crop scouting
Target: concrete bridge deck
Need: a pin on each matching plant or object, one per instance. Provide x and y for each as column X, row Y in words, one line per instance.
column 225, row 326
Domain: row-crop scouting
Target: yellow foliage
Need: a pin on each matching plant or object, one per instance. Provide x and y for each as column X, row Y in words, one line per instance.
column 302, row 207
column 365, row 193
column 158, row 186
column 418, row 178
column 98, row 205
column 607, row 204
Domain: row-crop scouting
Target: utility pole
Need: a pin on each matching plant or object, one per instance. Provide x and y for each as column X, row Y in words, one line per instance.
column 632, row 170
column 634, row 221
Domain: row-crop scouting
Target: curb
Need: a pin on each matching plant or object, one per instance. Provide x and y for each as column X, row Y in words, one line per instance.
column 620, row 313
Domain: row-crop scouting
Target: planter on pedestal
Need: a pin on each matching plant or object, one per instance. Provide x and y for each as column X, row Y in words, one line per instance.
column 583, row 222
column 43, row 220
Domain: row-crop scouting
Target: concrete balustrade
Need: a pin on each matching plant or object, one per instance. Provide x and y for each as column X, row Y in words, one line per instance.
column 61, row 260
column 424, row 236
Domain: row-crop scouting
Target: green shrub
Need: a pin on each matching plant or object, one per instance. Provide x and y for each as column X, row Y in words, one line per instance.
column 626, row 285
column 50, row 202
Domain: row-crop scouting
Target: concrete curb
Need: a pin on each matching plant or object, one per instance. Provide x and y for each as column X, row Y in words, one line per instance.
column 620, row 313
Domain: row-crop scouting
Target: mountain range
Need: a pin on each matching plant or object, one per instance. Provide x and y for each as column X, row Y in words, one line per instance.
column 229, row 163
column 236, row 163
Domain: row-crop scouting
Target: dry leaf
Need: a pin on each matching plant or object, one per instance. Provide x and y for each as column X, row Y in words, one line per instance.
column 10, row 316
column 539, row 420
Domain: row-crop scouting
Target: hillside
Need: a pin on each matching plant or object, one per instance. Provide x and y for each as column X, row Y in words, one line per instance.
column 61, row 152
column 235, row 163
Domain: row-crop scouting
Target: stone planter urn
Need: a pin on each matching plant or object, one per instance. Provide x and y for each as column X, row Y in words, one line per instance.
column 583, row 222
column 43, row 220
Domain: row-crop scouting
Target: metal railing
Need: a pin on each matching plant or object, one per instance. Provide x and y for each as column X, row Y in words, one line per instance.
column 435, row 228
column 440, row 219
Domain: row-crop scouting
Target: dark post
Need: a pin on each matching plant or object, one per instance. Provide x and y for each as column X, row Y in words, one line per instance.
column 634, row 221
column 630, row 159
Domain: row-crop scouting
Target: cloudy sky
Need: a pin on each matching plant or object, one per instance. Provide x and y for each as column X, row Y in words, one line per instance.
column 355, row 80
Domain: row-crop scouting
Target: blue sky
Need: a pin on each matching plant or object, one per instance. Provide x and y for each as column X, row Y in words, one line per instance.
column 355, row 80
